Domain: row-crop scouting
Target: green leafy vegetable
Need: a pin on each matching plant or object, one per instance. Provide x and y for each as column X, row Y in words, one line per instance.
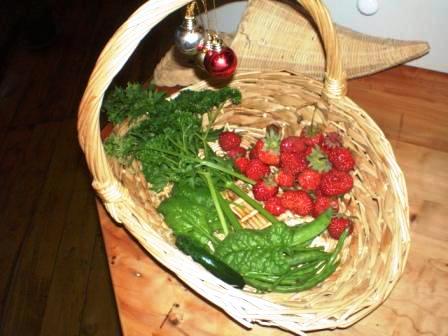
column 298, row 279
column 272, row 260
column 169, row 138
column 131, row 102
column 271, row 249
column 191, row 212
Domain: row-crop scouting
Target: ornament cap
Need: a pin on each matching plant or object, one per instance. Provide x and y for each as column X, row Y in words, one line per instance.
column 189, row 12
column 190, row 24
column 204, row 47
column 217, row 44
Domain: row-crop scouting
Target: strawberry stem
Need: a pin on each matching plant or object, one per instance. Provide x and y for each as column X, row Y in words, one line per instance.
column 312, row 120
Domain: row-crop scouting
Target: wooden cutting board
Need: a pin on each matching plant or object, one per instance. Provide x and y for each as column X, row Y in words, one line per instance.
column 411, row 106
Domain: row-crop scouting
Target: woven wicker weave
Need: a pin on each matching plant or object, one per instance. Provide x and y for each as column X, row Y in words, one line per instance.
column 376, row 252
column 275, row 36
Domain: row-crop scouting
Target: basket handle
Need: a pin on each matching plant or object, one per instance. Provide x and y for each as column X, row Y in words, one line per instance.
column 117, row 52
column 335, row 77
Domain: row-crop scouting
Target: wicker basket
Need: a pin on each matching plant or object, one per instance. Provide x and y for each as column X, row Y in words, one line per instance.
column 378, row 248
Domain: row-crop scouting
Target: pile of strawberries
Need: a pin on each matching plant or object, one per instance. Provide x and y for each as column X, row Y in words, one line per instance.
column 305, row 174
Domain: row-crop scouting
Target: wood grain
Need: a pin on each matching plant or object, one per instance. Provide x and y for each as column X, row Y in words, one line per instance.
column 36, row 266
column 151, row 301
column 54, row 278
column 16, row 219
column 99, row 315
column 416, row 104
column 72, row 262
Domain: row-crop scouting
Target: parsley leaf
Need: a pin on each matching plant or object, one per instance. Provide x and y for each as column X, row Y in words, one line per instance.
column 169, row 138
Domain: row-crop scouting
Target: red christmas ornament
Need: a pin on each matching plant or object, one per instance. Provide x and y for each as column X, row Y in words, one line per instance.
column 221, row 61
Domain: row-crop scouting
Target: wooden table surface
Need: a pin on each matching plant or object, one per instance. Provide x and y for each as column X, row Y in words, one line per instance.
column 411, row 106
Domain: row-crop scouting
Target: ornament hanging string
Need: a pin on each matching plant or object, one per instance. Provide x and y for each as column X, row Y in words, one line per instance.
column 211, row 19
column 206, row 23
column 214, row 19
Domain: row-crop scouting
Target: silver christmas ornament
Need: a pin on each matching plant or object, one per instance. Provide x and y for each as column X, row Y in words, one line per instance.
column 189, row 35
column 204, row 47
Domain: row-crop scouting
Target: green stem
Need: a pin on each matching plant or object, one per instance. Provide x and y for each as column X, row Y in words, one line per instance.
column 229, row 213
column 203, row 137
column 164, row 151
column 338, row 247
column 207, row 164
column 279, row 280
column 312, row 120
column 311, row 230
column 215, row 199
column 174, row 163
column 227, row 171
column 254, row 204
column 215, row 241
column 181, row 148
column 206, row 148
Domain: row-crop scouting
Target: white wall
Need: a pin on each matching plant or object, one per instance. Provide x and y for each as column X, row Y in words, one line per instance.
column 402, row 19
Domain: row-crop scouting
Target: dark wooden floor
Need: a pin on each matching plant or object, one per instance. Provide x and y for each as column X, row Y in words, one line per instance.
column 54, row 277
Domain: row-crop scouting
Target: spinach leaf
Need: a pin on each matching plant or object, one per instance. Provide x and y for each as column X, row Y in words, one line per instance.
column 191, row 212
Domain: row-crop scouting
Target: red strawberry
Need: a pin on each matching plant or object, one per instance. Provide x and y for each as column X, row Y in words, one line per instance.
column 274, row 206
column 298, row 201
column 338, row 225
column 256, row 169
column 228, row 140
column 292, row 144
column 264, row 190
column 335, row 183
column 236, row 152
column 322, row 203
column 314, row 140
column 309, row 179
column 241, row 163
column 270, row 157
column 256, row 149
column 293, row 163
column 285, row 179
column 269, row 152
column 332, row 140
column 312, row 135
column 342, row 159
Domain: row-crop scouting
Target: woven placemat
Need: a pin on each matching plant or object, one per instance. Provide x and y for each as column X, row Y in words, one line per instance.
column 276, row 35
